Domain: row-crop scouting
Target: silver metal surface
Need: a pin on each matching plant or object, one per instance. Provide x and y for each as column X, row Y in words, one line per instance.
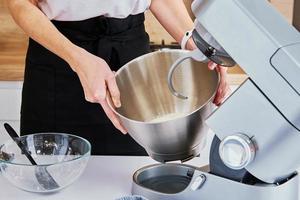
column 145, row 96
column 267, row 106
column 288, row 56
column 167, row 178
column 215, row 54
column 195, row 55
column 264, row 31
column 237, row 151
column 213, row 188
column 277, row 141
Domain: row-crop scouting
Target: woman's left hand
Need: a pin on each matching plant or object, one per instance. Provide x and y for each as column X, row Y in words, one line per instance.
column 224, row 89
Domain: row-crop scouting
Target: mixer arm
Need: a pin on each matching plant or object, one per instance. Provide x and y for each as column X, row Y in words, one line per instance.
column 260, row 40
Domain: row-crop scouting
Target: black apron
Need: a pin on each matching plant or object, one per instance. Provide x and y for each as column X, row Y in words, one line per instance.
column 53, row 98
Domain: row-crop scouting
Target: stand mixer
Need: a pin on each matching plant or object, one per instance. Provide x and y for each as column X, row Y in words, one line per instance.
column 255, row 153
column 264, row 118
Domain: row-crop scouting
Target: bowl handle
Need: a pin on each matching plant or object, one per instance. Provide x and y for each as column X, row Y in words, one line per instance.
column 196, row 55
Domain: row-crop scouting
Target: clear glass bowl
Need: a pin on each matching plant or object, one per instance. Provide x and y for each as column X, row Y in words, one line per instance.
column 61, row 159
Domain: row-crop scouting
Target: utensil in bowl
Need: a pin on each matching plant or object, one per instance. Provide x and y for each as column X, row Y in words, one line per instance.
column 42, row 175
column 145, row 96
column 61, row 156
column 203, row 52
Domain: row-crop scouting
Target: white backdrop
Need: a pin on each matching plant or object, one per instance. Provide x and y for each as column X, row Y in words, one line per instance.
column 10, row 104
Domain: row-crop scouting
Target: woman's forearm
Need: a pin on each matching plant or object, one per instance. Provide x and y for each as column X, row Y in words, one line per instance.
column 173, row 16
column 37, row 26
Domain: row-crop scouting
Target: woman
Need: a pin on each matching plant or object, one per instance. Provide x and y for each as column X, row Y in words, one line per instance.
column 74, row 48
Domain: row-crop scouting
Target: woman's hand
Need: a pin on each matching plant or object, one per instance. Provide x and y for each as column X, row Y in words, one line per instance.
column 171, row 9
column 223, row 89
column 97, row 81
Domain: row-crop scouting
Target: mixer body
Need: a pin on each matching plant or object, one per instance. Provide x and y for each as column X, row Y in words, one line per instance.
column 266, row 108
column 276, row 139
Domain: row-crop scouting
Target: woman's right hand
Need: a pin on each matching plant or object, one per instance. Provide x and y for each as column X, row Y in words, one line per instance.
column 97, row 81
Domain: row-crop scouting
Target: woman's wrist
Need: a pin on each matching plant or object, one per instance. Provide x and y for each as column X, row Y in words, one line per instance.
column 72, row 55
column 187, row 42
column 190, row 45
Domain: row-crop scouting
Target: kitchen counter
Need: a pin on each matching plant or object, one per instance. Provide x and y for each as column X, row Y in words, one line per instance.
column 105, row 178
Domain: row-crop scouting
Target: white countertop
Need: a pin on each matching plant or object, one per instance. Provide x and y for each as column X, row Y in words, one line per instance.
column 105, row 178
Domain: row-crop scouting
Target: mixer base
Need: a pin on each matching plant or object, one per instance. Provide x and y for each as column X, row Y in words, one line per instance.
column 184, row 182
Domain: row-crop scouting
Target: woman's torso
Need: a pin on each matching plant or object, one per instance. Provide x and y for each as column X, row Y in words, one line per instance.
column 77, row 10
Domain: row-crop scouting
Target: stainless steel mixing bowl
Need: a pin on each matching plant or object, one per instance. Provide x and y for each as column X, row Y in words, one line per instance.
column 145, row 96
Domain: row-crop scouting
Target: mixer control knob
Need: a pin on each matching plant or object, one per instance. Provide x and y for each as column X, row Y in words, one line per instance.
column 237, row 151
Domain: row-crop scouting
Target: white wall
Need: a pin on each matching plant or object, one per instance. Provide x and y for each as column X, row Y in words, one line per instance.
column 10, row 104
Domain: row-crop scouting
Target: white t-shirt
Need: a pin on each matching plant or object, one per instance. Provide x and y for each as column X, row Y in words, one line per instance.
column 76, row 10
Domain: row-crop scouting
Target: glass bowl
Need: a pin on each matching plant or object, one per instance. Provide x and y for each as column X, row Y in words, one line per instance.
column 61, row 159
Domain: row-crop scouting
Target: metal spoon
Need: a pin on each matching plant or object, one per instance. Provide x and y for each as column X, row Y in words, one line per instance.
column 43, row 176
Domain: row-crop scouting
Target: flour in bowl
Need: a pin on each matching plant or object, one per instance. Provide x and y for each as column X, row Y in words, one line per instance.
column 167, row 117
